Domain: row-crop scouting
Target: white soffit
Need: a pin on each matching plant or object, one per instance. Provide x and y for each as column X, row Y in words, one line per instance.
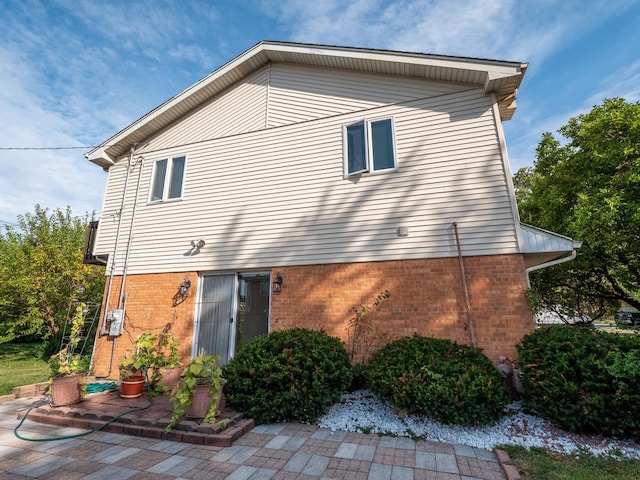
column 499, row 77
column 541, row 247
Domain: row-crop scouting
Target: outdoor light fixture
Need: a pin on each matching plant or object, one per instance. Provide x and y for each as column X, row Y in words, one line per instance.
column 182, row 293
column 197, row 244
column 277, row 283
column 184, row 287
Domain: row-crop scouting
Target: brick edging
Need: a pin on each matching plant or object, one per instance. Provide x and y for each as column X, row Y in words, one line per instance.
column 224, row 438
column 510, row 470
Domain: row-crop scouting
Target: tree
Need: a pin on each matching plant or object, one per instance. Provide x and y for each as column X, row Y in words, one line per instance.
column 41, row 273
column 588, row 188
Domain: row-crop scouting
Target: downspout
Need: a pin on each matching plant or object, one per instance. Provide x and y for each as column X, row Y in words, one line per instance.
column 122, row 301
column 128, row 251
column 103, row 330
column 550, row 264
column 465, row 287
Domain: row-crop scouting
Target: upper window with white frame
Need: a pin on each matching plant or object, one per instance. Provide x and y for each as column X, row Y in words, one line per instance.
column 369, row 146
column 167, row 179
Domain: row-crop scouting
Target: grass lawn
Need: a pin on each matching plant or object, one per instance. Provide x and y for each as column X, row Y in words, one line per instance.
column 19, row 366
column 541, row 464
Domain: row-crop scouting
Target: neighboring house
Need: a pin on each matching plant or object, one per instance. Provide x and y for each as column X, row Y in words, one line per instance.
column 297, row 182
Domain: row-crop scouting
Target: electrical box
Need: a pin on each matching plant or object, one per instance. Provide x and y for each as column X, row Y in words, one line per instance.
column 116, row 321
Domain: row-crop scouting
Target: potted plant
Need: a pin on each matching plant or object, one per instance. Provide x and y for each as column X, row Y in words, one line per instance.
column 153, row 359
column 167, row 368
column 199, row 392
column 68, row 369
column 135, row 365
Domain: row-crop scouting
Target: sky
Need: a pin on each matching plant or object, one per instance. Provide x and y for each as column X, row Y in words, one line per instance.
column 75, row 72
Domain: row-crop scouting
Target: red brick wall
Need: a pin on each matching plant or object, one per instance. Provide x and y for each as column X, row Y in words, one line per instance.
column 427, row 297
column 149, row 309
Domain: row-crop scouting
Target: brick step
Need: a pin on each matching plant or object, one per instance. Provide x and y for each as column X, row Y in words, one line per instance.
column 100, row 409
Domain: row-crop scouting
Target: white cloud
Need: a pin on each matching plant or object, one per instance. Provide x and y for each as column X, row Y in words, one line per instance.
column 624, row 83
column 75, row 73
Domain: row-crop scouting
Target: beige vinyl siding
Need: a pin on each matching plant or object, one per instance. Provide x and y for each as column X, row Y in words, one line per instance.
column 295, row 94
column 279, row 197
column 111, row 213
column 298, row 93
column 240, row 109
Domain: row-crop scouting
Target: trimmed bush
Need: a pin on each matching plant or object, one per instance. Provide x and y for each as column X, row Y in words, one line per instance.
column 455, row 384
column 294, row 374
column 582, row 379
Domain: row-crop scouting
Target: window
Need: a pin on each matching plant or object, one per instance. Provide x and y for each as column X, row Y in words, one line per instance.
column 369, row 146
column 168, row 175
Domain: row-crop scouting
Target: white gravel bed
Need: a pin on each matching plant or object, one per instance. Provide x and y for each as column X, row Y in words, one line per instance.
column 362, row 411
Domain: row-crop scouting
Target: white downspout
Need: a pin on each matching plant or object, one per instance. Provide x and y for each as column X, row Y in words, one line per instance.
column 103, row 330
column 557, row 261
column 128, row 251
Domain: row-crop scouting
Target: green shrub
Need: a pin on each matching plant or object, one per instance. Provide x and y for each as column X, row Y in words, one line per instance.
column 294, row 374
column 456, row 384
column 582, row 379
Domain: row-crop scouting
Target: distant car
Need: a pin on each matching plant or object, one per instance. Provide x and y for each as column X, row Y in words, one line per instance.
column 626, row 318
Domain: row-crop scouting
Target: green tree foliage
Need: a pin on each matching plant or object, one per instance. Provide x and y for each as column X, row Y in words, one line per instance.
column 41, row 272
column 587, row 187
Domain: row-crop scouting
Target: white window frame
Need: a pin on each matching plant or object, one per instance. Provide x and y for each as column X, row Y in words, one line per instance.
column 369, row 160
column 168, row 176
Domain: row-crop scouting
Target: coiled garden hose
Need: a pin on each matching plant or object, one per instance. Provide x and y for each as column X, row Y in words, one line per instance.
column 89, row 390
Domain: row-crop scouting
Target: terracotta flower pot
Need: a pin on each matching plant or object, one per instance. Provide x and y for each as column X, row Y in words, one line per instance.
column 201, row 400
column 66, row 390
column 132, row 387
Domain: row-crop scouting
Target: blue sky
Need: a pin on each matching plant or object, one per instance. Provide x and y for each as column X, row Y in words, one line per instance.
column 74, row 72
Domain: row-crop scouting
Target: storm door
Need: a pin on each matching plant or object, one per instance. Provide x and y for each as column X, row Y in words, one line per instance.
column 253, row 308
column 216, row 316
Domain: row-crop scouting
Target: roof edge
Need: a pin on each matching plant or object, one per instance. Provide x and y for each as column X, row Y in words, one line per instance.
column 492, row 70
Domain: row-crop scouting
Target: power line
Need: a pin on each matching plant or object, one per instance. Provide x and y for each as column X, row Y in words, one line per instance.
column 48, row 148
column 25, row 198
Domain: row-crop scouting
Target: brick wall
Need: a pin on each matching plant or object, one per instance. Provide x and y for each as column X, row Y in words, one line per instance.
column 427, row 297
column 150, row 308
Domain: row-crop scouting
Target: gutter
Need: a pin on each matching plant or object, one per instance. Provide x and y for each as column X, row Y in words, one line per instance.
column 551, row 263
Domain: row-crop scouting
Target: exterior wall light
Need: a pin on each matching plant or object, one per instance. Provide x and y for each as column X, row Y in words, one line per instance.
column 184, row 287
column 182, row 293
column 277, row 283
column 197, row 244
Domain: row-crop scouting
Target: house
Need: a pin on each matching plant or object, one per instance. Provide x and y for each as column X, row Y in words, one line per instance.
column 297, row 182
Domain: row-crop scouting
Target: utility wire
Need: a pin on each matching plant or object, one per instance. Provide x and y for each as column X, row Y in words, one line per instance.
column 47, row 148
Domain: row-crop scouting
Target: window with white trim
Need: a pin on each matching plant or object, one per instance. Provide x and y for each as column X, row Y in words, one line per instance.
column 168, row 177
column 369, row 146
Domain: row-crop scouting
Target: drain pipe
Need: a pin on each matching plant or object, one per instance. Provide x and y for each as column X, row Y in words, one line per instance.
column 572, row 256
column 465, row 287
column 103, row 330
column 122, row 300
column 139, row 162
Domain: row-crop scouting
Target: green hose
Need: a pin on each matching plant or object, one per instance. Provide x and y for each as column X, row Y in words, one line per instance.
column 66, row 437
column 101, row 387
